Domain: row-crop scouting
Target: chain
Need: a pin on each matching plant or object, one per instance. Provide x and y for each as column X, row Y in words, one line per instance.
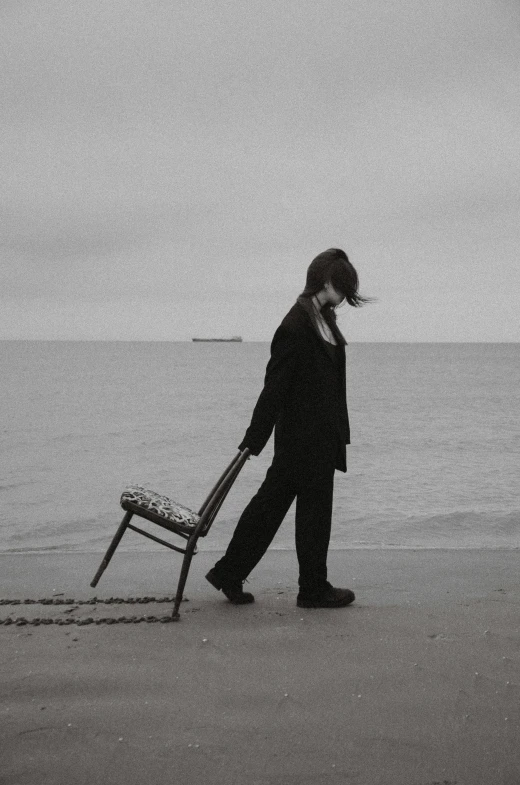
column 20, row 621
column 91, row 601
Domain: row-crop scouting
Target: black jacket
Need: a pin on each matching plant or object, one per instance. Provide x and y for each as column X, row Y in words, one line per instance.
column 304, row 395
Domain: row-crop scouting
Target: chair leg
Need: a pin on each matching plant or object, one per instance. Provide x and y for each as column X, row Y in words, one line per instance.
column 112, row 547
column 186, row 562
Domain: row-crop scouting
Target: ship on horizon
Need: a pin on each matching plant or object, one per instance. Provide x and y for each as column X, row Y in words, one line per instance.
column 233, row 339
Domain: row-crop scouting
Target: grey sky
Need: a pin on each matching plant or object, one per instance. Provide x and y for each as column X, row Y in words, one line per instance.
column 170, row 169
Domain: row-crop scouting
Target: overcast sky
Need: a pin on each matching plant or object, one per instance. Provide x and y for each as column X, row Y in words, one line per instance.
column 171, row 167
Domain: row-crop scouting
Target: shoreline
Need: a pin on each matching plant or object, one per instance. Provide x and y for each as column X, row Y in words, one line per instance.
column 383, row 575
column 288, row 549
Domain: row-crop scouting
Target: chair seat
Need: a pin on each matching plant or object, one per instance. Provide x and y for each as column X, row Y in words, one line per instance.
column 150, row 503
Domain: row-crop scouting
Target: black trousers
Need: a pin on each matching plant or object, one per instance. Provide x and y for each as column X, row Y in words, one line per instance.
column 309, row 478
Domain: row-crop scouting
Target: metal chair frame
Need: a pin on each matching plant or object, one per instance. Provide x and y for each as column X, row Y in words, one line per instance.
column 207, row 513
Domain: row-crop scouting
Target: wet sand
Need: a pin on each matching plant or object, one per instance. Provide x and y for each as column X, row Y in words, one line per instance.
column 416, row 683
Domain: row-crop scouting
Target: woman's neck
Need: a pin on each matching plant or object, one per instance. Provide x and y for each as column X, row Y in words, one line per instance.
column 317, row 303
column 325, row 331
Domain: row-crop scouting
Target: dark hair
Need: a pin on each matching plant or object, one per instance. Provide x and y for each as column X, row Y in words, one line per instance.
column 333, row 265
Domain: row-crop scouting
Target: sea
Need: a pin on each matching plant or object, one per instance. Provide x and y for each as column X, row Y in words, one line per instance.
column 434, row 460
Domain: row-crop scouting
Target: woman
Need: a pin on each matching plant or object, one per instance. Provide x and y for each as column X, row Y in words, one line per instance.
column 304, row 400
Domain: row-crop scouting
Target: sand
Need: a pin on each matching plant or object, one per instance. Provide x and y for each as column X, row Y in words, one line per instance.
column 416, row 683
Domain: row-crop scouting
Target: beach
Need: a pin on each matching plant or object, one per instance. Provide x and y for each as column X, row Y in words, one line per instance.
column 416, row 683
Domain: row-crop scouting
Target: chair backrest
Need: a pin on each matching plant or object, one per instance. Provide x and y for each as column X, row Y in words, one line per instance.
column 220, row 490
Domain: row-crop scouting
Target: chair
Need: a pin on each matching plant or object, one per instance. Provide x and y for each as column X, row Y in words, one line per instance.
column 174, row 517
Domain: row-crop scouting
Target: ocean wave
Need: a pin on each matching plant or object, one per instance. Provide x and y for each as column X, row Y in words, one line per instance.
column 499, row 520
column 13, row 486
column 34, row 549
column 455, row 529
column 56, row 529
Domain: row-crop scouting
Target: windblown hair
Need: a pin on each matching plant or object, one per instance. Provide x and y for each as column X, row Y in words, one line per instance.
column 333, row 265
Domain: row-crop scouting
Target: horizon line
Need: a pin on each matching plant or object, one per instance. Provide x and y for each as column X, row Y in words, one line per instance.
column 244, row 340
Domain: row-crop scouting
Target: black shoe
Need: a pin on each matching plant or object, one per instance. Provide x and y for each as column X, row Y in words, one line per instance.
column 328, row 597
column 232, row 589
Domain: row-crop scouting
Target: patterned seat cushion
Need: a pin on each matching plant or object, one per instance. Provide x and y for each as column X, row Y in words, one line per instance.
column 173, row 512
